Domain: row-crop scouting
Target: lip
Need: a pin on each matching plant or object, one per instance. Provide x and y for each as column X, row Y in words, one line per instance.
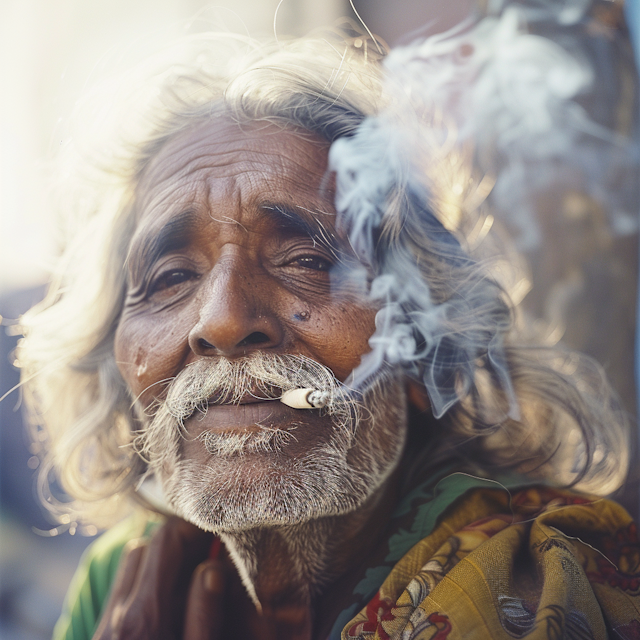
column 251, row 414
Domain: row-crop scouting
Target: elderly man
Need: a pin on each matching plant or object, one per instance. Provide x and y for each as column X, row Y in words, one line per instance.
column 326, row 390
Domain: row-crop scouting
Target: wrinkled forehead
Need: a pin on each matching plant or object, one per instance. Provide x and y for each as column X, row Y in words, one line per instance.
column 250, row 158
column 226, row 172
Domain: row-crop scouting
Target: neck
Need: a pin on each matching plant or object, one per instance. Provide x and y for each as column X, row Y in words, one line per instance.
column 285, row 570
column 282, row 564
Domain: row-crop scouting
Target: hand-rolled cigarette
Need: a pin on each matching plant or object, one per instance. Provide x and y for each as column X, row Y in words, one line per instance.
column 305, row 398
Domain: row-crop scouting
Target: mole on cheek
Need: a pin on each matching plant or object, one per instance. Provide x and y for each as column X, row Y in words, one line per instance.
column 303, row 316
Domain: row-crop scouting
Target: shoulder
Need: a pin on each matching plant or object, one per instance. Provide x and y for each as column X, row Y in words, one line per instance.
column 92, row 581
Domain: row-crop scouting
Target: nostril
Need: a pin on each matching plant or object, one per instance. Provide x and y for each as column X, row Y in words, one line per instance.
column 257, row 337
column 204, row 345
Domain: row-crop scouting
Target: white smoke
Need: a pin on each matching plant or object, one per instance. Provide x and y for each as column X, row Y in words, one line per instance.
column 490, row 101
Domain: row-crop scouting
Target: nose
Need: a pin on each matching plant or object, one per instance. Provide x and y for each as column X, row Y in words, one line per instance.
column 235, row 314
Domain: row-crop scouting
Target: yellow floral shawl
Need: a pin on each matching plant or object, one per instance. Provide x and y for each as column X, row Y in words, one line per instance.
column 541, row 564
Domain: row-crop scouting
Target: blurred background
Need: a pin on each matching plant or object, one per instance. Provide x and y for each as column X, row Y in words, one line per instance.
column 584, row 276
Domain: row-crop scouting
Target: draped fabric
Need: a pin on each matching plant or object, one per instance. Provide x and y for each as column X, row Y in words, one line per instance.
column 536, row 564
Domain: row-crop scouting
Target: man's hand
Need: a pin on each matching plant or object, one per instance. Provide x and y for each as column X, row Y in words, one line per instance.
column 166, row 589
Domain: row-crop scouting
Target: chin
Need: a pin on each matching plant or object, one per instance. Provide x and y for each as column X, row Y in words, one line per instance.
column 235, row 494
column 248, row 490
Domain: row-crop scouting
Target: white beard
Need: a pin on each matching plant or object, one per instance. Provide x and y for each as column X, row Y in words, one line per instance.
column 250, row 482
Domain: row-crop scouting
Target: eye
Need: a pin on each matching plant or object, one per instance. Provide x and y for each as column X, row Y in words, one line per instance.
column 171, row 278
column 316, row 263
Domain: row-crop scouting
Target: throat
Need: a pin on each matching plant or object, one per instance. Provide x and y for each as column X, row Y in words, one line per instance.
column 288, row 571
column 283, row 571
column 284, row 566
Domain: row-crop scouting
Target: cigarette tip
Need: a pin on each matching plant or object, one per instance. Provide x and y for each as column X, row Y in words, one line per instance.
column 305, row 398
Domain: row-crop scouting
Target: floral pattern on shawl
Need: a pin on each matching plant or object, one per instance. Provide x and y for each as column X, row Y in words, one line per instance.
column 541, row 564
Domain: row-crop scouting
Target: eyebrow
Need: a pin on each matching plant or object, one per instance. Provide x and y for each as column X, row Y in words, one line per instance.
column 304, row 221
column 176, row 234
column 149, row 247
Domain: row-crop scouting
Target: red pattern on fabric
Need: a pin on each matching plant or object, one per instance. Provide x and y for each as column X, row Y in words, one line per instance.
column 377, row 610
column 437, row 618
column 623, row 550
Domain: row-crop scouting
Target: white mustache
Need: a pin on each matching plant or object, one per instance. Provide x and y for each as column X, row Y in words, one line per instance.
column 266, row 376
column 224, row 381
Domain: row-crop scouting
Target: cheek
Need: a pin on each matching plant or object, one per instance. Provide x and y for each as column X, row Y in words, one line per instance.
column 148, row 352
column 337, row 335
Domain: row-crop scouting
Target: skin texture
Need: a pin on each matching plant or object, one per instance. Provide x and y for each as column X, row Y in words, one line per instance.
column 244, row 281
column 236, row 251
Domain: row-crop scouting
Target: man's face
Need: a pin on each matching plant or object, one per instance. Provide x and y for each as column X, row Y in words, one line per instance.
column 237, row 256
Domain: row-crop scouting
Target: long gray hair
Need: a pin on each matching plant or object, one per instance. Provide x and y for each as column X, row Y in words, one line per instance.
column 537, row 410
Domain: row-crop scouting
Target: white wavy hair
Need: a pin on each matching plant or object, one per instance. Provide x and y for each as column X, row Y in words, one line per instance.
column 570, row 428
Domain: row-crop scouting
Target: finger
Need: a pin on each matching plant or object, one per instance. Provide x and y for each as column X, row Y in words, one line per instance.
column 203, row 620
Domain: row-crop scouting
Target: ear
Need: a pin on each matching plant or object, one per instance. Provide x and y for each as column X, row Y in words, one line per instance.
column 417, row 396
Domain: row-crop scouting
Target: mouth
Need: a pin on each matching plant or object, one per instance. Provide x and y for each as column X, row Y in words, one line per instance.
column 250, row 413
